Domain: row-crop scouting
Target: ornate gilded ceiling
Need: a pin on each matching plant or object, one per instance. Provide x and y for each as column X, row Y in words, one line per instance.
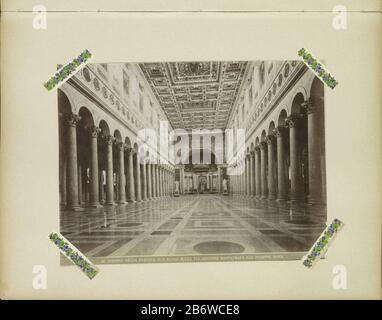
column 196, row 94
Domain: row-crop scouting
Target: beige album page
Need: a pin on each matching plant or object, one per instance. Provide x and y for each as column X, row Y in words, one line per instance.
column 200, row 222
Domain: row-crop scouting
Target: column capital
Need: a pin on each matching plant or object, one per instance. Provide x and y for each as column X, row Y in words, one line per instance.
column 72, row 120
column 308, row 106
column 130, row 151
column 269, row 139
column 292, row 120
column 94, row 131
column 257, row 148
column 263, row 144
column 278, row 131
column 120, row 145
column 109, row 139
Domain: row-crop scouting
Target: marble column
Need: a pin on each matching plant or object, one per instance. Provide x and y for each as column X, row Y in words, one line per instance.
column 253, row 170
column 248, row 175
column 257, row 172
column 171, row 183
column 144, row 181
column 149, row 182
column 242, row 178
column 166, row 181
column 157, row 180
column 296, row 178
column 279, row 132
column 72, row 169
column 121, row 173
column 160, row 180
column 81, row 199
column 109, row 170
column 219, row 180
column 240, row 181
column 263, row 152
column 100, row 186
column 94, row 185
column 271, row 168
column 63, row 182
column 180, row 180
column 130, row 174
column 153, row 181
column 314, row 153
column 138, row 190
column 154, row 176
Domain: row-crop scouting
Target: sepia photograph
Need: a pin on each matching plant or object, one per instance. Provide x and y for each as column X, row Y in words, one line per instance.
column 192, row 161
column 169, row 151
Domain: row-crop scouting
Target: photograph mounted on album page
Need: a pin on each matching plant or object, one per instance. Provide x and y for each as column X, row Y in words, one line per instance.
column 166, row 152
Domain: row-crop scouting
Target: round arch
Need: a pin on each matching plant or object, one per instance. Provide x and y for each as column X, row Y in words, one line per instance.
column 311, row 77
column 282, row 116
column 296, row 103
column 263, row 135
column 257, row 141
column 64, row 97
column 117, row 135
column 128, row 142
column 300, row 94
column 64, row 104
column 317, row 92
column 87, row 119
column 271, row 128
column 105, row 130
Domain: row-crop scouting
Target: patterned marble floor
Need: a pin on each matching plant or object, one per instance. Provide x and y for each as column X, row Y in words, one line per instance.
column 193, row 225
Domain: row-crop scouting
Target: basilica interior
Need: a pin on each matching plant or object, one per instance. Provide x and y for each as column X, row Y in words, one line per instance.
column 192, row 161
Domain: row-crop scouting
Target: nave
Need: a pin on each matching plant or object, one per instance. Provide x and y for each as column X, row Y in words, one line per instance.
column 193, row 225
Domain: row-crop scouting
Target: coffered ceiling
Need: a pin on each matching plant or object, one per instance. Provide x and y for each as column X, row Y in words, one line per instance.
column 196, row 94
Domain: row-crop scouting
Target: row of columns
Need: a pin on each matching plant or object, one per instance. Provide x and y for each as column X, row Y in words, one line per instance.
column 265, row 177
column 136, row 182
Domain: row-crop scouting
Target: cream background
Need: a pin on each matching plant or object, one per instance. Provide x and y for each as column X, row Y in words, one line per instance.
column 29, row 140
